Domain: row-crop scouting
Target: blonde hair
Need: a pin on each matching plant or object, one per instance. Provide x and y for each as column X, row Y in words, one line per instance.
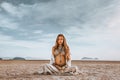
column 65, row 46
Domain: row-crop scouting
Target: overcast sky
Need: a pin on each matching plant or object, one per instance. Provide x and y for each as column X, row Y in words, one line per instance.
column 28, row 28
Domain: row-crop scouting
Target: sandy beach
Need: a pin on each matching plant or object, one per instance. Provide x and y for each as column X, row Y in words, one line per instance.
column 89, row 70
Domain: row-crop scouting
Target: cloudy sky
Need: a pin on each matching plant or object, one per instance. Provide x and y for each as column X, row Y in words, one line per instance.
column 28, row 28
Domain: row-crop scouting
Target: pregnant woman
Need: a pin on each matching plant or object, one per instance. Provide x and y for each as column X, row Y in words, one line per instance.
column 60, row 62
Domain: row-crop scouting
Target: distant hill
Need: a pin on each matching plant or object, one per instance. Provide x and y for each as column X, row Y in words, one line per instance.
column 34, row 58
column 22, row 58
column 1, row 59
column 18, row 58
column 88, row 58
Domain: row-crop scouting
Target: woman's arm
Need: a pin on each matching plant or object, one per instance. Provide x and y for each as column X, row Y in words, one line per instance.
column 53, row 52
column 68, row 57
column 68, row 61
column 52, row 60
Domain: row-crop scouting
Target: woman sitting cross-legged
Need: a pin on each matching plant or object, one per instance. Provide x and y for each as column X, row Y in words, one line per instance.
column 60, row 62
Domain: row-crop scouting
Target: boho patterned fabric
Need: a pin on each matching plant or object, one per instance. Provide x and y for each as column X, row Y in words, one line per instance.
column 52, row 70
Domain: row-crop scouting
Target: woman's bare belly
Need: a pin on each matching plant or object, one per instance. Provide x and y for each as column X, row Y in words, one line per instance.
column 60, row 60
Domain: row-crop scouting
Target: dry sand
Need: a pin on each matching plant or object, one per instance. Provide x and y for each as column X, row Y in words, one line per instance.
column 90, row 70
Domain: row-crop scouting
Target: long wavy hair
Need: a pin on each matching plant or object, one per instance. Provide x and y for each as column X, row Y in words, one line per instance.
column 64, row 45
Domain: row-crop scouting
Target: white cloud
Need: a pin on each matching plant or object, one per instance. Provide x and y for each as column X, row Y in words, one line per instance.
column 5, row 38
column 0, row 9
column 8, row 23
column 38, row 31
column 10, row 8
column 49, row 35
column 8, row 40
column 92, row 29
column 23, row 34
column 99, row 37
column 73, row 30
column 17, row 11
column 12, row 47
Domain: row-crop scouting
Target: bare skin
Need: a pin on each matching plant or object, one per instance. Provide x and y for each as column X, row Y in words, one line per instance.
column 60, row 59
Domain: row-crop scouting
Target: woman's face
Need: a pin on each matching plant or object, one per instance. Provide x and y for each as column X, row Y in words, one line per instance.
column 60, row 40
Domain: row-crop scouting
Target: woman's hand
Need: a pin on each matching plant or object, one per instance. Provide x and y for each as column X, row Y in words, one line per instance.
column 68, row 56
